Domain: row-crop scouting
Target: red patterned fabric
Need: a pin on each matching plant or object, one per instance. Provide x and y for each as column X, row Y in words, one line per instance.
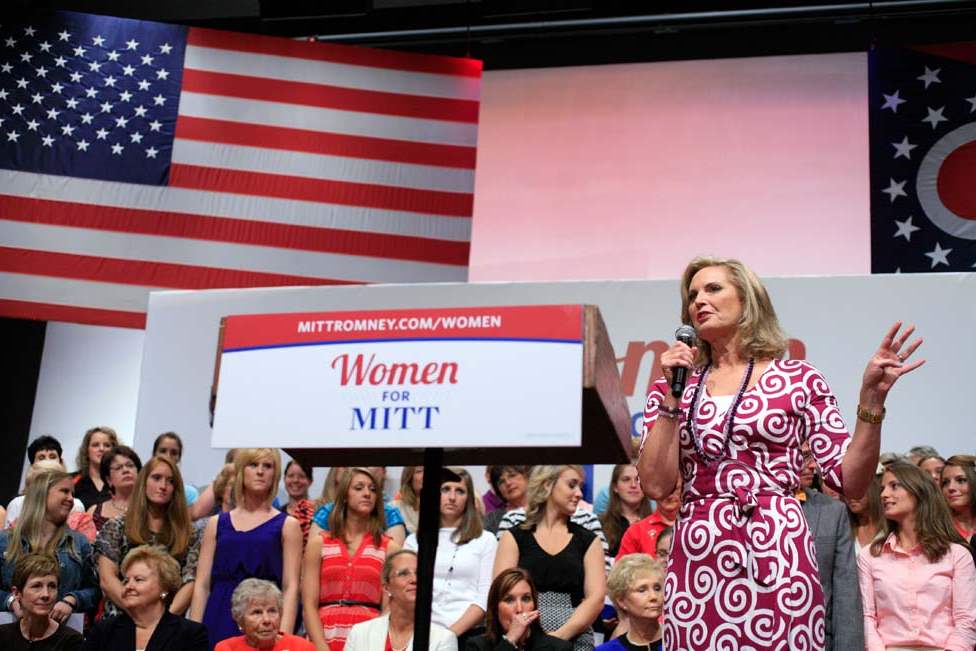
column 303, row 512
column 742, row 571
column 351, row 579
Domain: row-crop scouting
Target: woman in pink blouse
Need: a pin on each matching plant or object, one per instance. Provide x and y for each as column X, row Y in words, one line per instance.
column 917, row 578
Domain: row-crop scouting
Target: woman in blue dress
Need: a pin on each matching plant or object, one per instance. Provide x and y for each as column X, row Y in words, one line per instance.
column 253, row 540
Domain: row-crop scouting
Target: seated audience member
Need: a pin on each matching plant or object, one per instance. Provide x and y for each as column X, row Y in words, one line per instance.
column 465, row 555
column 933, row 466
column 958, row 479
column 888, row 458
column 513, row 617
column 566, row 560
column 627, row 505
column 35, row 588
column 17, row 503
column 920, row 452
column 42, row 529
column 90, row 488
column 256, row 606
column 341, row 585
column 394, row 630
column 152, row 577
column 44, row 447
column 408, row 501
column 252, row 540
column 831, row 533
column 918, row 583
column 157, row 515
column 118, row 468
column 208, row 502
column 865, row 515
column 636, row 586
column 641, row 537
column 298, row 477
column 663, row 549
column 170, row 445
column 510, row 483
column 223, row 489
column 491, row 500
column 395, row 528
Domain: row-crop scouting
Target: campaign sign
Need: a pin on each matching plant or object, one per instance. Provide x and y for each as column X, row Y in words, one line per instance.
column 456, row 377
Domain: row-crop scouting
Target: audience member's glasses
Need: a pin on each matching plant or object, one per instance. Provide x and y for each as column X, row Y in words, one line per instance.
column 128, row 465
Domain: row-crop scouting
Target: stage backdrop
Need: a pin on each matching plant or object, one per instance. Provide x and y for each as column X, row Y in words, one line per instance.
column 836, row 322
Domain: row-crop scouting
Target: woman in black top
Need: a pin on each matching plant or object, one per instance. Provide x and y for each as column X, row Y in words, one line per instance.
column 35, row 587
column 90, row 488
column 564, row 559
column 513, row 617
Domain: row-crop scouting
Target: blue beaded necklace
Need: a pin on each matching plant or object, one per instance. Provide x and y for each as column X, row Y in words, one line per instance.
column 729, row 416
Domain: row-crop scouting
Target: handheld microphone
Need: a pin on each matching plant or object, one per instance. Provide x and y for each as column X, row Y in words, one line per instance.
column 686, row 335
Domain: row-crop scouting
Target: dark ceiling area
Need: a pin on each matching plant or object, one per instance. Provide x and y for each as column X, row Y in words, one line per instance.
column 540, row 33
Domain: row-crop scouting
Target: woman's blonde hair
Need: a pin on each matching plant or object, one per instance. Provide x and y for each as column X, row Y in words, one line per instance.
column 164, row 565
column 247, row 456
column 177, row 527
column 625, row 572
column 377, row 517
column 933, row 519
column 30, row 524
column 408, row 495
column 759, row 333
column 83, row 459
column 541, row 481
column 331, row 486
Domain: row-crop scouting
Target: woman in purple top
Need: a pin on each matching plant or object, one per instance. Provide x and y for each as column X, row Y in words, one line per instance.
column 742, row 570
column 253, row 540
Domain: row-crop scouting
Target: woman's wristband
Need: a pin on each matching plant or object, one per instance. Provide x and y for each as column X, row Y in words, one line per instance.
column 671, row 413
column 67, row 603
column 870, row 417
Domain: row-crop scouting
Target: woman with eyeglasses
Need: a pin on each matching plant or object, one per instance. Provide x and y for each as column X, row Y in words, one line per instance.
column 157, row 515
column 119, row 469
column 465, row 555
column 394, row 630
column 341, row 583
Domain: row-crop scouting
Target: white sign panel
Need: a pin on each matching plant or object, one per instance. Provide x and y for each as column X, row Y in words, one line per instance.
column 471, row 377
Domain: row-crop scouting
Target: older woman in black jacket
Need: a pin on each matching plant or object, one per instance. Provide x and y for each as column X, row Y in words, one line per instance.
column 152, row 577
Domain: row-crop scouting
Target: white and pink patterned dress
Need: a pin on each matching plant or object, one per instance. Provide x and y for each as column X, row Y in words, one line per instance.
column 742, row 574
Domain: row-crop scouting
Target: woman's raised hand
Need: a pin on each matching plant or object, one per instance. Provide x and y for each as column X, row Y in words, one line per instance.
column 889, row 363
column 519, row 628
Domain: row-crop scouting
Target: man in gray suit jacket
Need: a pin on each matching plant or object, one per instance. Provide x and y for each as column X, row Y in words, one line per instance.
column 831, row 532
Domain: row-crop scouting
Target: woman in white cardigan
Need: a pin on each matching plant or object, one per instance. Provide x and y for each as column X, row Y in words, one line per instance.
column 465, row 556
column 395, row 629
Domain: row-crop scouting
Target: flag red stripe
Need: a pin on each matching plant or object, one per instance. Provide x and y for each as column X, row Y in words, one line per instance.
column 318, row 142
column 73, row 314
column 333, row 53
column 234, row 231
column 282, row 186
column 332, row 97
column 140, row 272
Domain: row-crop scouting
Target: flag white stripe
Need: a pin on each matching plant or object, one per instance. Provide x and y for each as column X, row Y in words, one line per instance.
column 242, row 257
column 313, row 118
column 333, row 74
column 215, row 204
column 320, row 166
column 76, row 293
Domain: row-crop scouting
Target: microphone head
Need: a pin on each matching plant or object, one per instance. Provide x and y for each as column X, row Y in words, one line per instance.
column 686, row 335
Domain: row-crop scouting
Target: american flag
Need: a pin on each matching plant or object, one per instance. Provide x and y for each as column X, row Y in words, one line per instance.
column 137, row 156
column 923, row 158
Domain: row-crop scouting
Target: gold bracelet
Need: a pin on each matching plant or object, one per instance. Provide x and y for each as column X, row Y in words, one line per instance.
column 870, row 417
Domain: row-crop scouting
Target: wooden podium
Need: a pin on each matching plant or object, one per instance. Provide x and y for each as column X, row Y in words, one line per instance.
column 605, row 428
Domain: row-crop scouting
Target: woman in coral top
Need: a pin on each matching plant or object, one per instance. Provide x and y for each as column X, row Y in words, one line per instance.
column 342, row 567
column 918, row 583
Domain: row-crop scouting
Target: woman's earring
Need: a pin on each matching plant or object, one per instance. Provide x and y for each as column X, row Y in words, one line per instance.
column 163, row 595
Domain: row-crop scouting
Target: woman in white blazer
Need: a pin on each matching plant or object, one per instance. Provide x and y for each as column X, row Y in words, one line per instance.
column 395, row 630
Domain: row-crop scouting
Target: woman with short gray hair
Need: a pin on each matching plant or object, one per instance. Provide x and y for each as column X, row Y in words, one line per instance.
column 256, row 606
